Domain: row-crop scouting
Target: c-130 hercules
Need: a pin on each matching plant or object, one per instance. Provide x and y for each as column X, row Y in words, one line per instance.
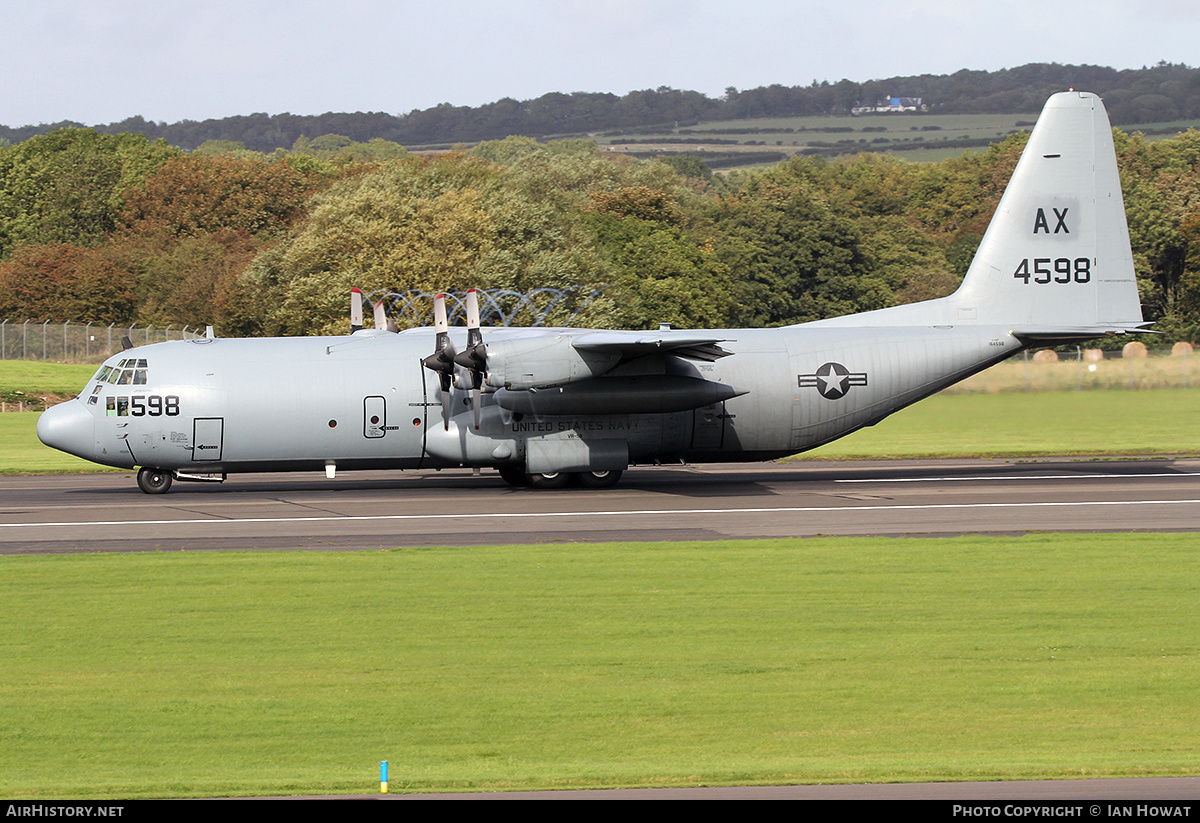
column 547, row 407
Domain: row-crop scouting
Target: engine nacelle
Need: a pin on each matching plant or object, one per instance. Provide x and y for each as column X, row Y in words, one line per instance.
column 540, row 361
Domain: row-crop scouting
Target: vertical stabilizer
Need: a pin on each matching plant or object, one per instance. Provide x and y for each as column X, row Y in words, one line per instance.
column 1056, row 257
column 1057, row 250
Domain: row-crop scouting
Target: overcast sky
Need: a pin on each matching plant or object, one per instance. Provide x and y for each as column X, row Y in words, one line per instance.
column 100, row 61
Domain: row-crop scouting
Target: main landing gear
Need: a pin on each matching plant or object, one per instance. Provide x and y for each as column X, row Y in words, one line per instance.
column 560, row 480
column 154, row 481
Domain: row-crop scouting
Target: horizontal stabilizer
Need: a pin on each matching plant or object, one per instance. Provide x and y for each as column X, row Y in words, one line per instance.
column 1042, row 334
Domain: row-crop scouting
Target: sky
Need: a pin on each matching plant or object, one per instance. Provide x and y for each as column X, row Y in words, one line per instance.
column 101, row 61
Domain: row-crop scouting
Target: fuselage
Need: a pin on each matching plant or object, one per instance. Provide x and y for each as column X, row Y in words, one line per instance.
column 215, row 406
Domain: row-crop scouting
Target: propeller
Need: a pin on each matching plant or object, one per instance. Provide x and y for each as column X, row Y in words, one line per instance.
column 383, row 320
column 474, row 356
column 356, row 314
column 442, row 359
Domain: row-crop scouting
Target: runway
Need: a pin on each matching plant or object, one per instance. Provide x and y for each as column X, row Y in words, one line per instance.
column 376, row 510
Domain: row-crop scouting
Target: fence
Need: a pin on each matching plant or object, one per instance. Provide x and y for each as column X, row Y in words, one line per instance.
column 93, row 342
column 76, row 342
column 497, row 307
column 1087, row 370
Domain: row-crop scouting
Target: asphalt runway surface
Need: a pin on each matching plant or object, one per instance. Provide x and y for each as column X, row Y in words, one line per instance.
column 375, row 510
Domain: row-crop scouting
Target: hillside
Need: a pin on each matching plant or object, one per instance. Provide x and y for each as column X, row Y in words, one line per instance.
column 1162, row 92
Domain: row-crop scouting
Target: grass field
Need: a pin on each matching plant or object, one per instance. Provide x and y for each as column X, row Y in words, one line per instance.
column 1090, row 423
column 25, row 382
column 914, row 136
column 554, row 666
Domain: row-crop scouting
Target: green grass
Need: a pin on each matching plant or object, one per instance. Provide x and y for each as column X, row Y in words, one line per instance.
column 554, row 666
column 22, row 453
column 1101, row 423
column 20, row 450
column 34, row 377
column 912, row 136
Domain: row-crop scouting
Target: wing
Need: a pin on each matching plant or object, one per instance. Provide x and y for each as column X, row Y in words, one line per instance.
column 639, row 344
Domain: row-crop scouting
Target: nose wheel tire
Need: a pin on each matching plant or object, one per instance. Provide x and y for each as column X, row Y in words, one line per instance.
column 154, row 481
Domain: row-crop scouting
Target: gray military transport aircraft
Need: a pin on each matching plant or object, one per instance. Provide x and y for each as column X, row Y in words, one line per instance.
column 546, row 407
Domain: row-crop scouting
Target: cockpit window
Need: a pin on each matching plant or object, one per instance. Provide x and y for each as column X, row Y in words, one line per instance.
column 128, row 372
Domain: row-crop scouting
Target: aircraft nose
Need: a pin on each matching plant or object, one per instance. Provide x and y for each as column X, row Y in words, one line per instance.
column 68, row 427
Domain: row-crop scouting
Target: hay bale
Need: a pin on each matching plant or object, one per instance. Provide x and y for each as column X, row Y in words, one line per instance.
column 1045, row 356
column 1093, row 355
column 1134, row 349
column 1181, row 348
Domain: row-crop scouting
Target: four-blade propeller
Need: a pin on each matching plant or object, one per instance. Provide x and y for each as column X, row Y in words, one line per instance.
column 474, row 357
column 442, row 359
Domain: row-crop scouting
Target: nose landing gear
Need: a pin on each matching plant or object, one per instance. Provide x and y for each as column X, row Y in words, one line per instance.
column 153, row 481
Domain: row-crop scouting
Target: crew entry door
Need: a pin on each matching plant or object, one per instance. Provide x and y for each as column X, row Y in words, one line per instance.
column 374, row 417
column 207, row 434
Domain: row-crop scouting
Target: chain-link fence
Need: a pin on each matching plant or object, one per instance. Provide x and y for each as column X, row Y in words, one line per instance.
column 79, row 342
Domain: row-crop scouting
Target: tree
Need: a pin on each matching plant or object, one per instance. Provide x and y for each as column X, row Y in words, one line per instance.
column 796, row 258
column 447, row 223
column 66, row 282
column 192, row 195
column 68, row 186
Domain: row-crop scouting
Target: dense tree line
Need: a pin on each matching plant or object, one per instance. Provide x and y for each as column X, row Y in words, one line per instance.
column 117, row 228
column 1151, row 94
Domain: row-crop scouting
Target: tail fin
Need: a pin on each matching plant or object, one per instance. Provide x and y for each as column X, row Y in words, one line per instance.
column 1055, row 261
column 1057, row 251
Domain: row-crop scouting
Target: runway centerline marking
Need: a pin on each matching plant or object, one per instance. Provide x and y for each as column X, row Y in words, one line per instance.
column 627, row 513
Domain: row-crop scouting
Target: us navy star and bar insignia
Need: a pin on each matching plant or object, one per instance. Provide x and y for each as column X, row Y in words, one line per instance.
column 832, row 380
